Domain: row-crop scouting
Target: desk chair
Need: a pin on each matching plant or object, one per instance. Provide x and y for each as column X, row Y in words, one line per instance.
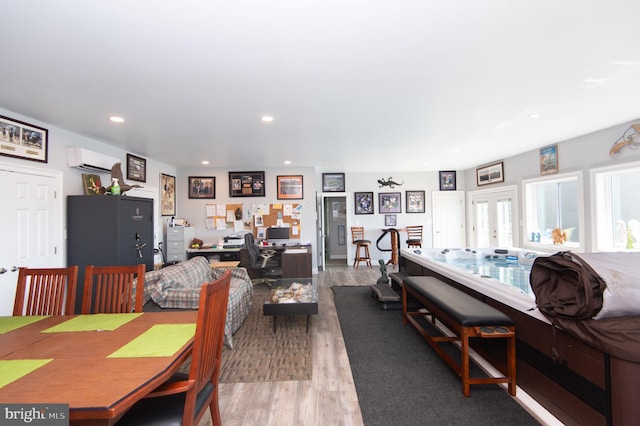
column 262, row 262
column 414, row 236
column 113, row 289
column 184, row 399
column 357, row 237
column 46, row 291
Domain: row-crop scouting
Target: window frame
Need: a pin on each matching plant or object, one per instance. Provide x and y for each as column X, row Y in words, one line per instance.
column 602, row 210
column 558, row 178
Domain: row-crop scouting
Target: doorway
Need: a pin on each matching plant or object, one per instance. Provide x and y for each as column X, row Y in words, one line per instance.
column 335, row 225
column 31, row 214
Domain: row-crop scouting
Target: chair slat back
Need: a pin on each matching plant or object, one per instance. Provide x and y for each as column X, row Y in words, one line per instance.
column 414, row 232
column 45, row 291
column 357, row 233
column 113, row 289
column 208, row 341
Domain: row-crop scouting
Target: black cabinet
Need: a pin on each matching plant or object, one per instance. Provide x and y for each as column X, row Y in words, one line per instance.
column 108, row 230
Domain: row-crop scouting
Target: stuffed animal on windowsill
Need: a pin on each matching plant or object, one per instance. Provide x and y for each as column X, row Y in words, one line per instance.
column 558, row 236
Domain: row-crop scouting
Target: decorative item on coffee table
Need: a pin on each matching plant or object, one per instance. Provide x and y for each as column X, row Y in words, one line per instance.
column 292, row 296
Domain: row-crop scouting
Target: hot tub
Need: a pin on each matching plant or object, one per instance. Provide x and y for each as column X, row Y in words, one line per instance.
column 499, row 273
column 574, row 379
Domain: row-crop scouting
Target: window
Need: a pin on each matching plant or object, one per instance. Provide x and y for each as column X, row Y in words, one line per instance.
column 551, row 204
column 617, row 207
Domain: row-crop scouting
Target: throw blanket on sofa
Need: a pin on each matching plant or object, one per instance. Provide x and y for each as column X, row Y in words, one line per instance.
column 178, row 287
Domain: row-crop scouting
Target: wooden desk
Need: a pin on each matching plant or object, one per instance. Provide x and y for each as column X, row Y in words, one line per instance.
column 228, row 264
column 99, row 390
column 223, row 254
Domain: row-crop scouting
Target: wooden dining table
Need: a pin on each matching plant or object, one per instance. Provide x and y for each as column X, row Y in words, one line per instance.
column 100, row 364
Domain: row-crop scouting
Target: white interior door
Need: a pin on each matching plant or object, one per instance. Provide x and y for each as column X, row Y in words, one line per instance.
column 31, row 219
column 448, row 219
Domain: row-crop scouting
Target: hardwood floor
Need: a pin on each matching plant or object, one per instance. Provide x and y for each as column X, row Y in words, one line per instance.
column 330, row 397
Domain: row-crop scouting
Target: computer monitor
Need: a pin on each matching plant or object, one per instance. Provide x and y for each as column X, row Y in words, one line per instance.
column 275, row 233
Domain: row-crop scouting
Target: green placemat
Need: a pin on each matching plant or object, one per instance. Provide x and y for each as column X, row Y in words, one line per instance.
column 13, row 369
column 8, row 324
column 93, row 322
column 159, row 340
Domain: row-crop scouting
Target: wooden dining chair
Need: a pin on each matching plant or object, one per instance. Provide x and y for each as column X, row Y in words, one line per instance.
column 183, row 400
column 414, row 236
column 46, row 291
column 113, row 289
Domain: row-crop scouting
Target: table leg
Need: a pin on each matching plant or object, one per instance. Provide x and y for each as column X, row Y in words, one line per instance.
column 274, row 323
column 308, row 319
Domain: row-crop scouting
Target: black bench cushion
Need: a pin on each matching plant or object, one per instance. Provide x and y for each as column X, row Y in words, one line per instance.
column 459, row 306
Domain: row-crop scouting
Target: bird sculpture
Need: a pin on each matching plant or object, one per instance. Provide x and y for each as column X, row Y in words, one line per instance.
column 116, row 172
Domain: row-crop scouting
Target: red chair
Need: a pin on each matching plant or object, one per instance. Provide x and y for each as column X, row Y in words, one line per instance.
column 183, row 400
column 113, row 289
column 46, row 291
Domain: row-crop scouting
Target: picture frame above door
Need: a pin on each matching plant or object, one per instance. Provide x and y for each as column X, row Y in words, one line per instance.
column 333, row 182
column 23, row 140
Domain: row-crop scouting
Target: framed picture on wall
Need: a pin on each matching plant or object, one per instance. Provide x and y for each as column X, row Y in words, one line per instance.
column 493, row 173
column 290, row 187
column 23, row 140
column 246, row 184
column 549, row 160
column 333, row 182
column 363, row 202
column 390, row 220
column 415, row 202
column 203, row 187
column 136, row 168
column 447, row 180
column 168, row 195
column 390, row 202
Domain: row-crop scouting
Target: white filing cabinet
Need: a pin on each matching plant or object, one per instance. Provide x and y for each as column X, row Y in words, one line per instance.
column 177, row 240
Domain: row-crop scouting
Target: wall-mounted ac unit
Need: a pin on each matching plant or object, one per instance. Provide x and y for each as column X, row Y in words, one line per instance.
column 89, row 160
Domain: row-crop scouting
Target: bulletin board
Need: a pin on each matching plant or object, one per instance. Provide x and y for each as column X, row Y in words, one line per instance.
column 277, row 212
column 214, row 214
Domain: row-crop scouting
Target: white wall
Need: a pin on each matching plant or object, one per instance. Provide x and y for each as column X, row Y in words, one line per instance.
column 374, row 223
column 59, row 139
column 194, row 210
column 578, row 154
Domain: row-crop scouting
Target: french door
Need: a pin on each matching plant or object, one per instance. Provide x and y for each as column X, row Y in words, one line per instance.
column 492, row 215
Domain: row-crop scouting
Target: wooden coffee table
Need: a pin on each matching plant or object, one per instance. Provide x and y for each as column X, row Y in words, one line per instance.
column 292, row 296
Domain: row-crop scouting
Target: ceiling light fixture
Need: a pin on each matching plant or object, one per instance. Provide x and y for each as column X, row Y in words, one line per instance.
column 267, row 118
column 205, row 162
column 534, row 115
column 630, row 137
column 116, row 119
column 287, row 161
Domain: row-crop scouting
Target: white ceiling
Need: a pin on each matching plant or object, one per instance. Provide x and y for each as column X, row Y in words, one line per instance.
column 353, row 85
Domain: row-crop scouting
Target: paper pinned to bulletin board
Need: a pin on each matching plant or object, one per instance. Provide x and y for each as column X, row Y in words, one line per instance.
column 223, row 216
column 280, row 215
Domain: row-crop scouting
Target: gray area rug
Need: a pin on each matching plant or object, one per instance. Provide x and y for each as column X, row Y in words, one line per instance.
column 400, row 380
column 260, row 355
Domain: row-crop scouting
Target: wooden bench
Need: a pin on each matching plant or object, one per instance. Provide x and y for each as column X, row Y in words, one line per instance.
column 465, row 316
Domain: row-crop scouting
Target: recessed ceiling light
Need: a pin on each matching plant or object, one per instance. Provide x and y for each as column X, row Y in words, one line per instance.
column 116, row 119
column 205, row 162
column 287, row 162
column 534, row 115
column 267, row 118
